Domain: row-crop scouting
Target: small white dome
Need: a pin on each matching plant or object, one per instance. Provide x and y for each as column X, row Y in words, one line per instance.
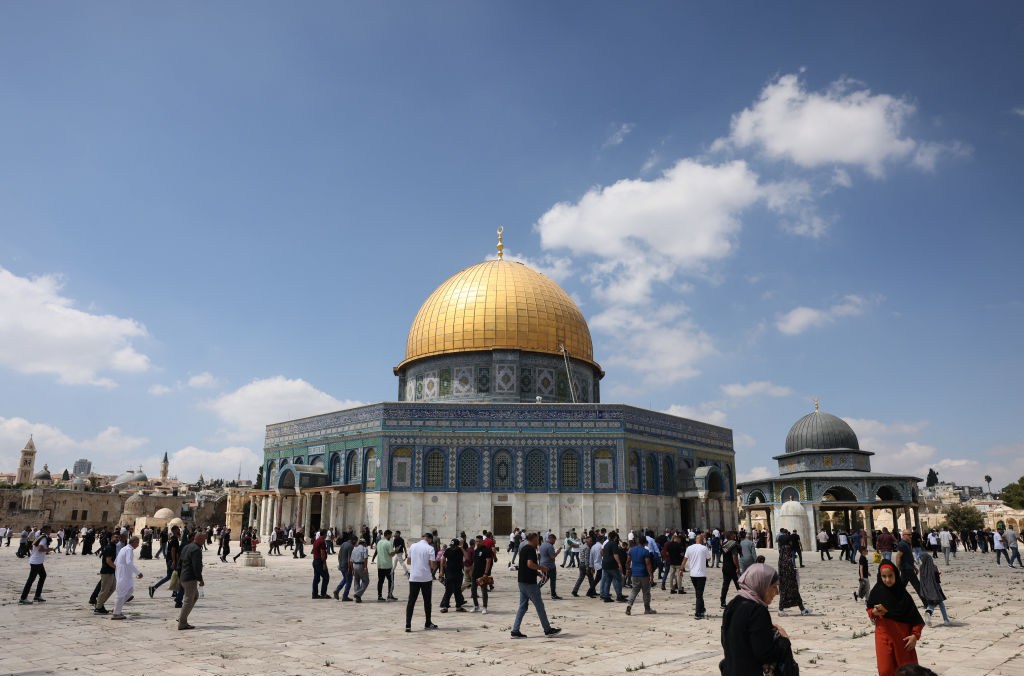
column 164, row 513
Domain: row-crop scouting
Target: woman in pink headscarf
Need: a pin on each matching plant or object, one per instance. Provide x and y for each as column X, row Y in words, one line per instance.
column 750, row 640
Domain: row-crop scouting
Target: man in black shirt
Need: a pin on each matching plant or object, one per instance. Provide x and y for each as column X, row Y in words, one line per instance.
column 451, row 576
column 611, row 569
column 483, row 559
column 529, row 590
column 171, row 550
column 107, row 581
column 676, row 551
column 905, row 562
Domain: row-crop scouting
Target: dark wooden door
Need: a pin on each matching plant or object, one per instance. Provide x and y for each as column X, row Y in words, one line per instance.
column 502, row 519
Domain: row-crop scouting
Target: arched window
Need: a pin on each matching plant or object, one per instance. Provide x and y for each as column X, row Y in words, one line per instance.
column 501, row 471
column 536, row 471
column 569, row 471
column 469, row 469
column 604, row 470
column 668, row 476
column 371, row 468
column 401, row 467
column 316, row 460
column 435, row 470
column 634, row 471
column 651, row 474
column 789, row 493
column 297, row 461
column 335, row 469
column 271, row 475
column 351, row 468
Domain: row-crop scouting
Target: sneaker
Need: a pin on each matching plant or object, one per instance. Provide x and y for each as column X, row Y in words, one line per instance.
column 101, row 611
column 25, row 602
column 460, row 609
column 782, row 612
column 929, row 620
column 336, row 597
column 622, row 599
column 483, row 611
column 518, row 634
column 444, row 610
column 359, row 599
column 346, row 598
column 805, row 611
column 553, row 631
column 41, row 600
column 855, row 596
column 408, row 630
column 430, row 626
column 629, row 610
column 118, row 617
column 152, row 590
column 380, row 599
column 674, row 591
column 474, row 609
column 606, row 599
column 650, row 611
column 555, row 597
column 392, row 598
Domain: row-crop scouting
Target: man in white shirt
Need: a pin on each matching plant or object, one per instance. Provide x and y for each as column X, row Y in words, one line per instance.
column 420, row 558
column 358, row 561
column 36, row 558
column 697, row 556
column 944, row 542
column 125, row 574
column 999, row 546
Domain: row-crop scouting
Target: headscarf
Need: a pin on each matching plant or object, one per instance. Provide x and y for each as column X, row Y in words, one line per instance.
column 755, row 582
column 898, row 604
column 931, row 589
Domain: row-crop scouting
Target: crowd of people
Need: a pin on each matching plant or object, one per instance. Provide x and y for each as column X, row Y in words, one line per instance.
column 614, row 567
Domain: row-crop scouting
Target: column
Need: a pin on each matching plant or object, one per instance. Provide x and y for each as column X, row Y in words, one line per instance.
column 906, row 518
column 307, row 501
column 265, row 515
column 917, row 519
column 869, row 525
column 750, row 524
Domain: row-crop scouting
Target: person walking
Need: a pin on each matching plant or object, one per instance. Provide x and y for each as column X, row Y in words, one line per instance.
column 898, row 623
column 904, row 560
column 730, row 564
column 675, row 551
column 748, row 552
column 945, row 540
column 789, row 581
column 583, row 558
column 107, row 582
column 931, row 589
column 823, row 538
column 698, row 555
column 224, row 546
column 641, row 570
column 863, row 576
column 529, row 589
column 611, row 569
column 1013, row 550
column 172, row 549
column 483, row 561
column 345, row 566
column 749, row 639
column 548, row 556
column 420, row 559
column 384, row 555
column 191, row 577
column 451, row 577
column 360, row 574
column 125, row 574
column 37, row 553
column 321, row 576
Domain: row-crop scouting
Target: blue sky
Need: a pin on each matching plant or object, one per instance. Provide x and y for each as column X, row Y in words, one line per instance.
column 213, row 217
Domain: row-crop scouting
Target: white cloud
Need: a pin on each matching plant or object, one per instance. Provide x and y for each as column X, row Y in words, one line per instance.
column 743, row 441
column 42, row 332
column 802, row 318
column 754, row 474
column 249, row 409
column 160, row 390
column 661, row 343
column 189, row 462
column 108, row 449
column 755, row 388
column 202, row 380
column 841, row 178
column 844, row 124
column 619, row 135
column 1019, row 111
column 685, row 218
column 702, row 412
column 558, row 268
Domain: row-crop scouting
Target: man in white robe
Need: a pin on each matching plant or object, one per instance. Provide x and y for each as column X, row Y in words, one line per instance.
column 125, row 574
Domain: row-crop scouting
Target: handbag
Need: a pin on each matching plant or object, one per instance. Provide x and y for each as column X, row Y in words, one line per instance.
column 174, row 582
column 877, row 558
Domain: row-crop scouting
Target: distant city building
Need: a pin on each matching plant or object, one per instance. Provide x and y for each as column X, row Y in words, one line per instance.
column 83, row 467
column 27, row 464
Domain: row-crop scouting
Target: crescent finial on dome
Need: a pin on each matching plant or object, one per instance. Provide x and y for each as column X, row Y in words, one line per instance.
column 501, row 246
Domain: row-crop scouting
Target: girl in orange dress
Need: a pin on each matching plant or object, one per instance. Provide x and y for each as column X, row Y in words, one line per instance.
column 897, row 621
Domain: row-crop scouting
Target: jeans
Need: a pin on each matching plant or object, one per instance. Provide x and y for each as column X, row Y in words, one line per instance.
column 584, row 573
column 942, row 607
column 36, row 570
column 1002, row 552
column 346, row 582
column 641, row 584
column 165, row 578
column 530, row 591
column 483, row 590
column 362, row 578
column 553, row 578
column 320, row 578
column 415, row 588
column 608, row 577
column 698, row 588
column 382, row 575
column 887, row 556
column 729, row 575
column 1015, row 556
column 945, row 553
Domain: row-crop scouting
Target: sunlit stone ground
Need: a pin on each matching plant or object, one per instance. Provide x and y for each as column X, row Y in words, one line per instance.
column 262, row 620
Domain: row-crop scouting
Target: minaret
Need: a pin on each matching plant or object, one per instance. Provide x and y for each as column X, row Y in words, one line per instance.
column 163, row 469
column 27, row 466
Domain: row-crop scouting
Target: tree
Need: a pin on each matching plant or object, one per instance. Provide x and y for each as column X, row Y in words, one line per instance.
column 933, row 478
column 259, row 477
column 988, row 481
column 1013, row 495
column 964, row 516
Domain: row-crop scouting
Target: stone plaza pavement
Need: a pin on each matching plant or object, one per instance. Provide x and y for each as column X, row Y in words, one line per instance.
column 262, row 621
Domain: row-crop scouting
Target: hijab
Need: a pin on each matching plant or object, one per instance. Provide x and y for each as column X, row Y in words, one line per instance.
column 755, row 582
column 931, row 589
column 898, row 604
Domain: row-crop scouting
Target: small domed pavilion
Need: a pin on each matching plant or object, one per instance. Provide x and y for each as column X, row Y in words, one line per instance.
column 826, row 472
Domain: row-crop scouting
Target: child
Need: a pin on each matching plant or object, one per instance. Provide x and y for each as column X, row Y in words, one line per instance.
column 862, row 574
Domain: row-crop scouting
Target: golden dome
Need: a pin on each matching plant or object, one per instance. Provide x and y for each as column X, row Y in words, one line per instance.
column 498, row 305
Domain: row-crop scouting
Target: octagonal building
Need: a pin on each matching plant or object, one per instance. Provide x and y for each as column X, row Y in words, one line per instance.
column 498, row 423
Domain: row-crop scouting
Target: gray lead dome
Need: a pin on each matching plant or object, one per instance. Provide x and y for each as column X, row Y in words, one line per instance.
column 820, row 431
